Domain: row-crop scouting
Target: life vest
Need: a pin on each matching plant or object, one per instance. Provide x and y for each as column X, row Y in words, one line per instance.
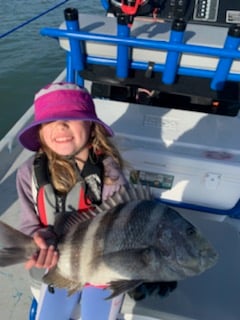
column 87, row 191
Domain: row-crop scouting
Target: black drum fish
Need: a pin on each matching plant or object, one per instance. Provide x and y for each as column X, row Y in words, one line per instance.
column 130, row 239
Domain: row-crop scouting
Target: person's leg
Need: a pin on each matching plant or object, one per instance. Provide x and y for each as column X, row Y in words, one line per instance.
column 56, row 305
column 94, row 305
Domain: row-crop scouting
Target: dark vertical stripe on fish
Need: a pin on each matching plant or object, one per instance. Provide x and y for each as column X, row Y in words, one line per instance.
column 137, row 224
column 103, row 230
column 76, row 238
column 129, row 221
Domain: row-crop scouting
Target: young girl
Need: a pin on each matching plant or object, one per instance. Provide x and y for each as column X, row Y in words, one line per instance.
column 74, row 165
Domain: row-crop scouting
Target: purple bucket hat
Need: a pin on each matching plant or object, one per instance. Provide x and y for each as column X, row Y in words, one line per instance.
column 59, row 101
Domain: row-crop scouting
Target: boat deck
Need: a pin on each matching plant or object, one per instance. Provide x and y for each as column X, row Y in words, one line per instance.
column 15, row 298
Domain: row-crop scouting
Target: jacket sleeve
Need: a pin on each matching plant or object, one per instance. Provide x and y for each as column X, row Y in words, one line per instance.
column 113, row 178
column 29, row 221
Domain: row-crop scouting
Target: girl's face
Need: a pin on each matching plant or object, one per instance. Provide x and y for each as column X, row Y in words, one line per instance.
column 66, row 137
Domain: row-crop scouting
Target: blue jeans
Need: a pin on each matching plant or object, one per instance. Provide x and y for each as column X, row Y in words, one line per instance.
column 59, row 306
column 93, row 305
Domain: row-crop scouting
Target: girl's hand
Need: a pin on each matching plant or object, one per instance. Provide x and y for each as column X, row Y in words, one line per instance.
column 46, row 257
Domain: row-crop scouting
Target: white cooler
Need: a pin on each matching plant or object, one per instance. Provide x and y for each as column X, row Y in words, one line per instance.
column 188, row 157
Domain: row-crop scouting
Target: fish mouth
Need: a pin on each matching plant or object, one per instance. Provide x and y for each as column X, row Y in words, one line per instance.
column 206, row 260
column 196, row 263
column 210, row 260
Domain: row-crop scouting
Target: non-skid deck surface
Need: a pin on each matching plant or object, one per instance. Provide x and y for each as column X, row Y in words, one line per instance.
column 15, row 295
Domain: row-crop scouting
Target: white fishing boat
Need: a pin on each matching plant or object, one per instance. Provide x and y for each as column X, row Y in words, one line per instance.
column 170, row 91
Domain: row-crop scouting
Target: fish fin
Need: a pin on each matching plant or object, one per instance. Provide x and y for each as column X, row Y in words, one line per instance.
column 124, row 195
column 64, row 222
column 54, row 278
column 15, row 246
column 122, row 286
column 146, row 289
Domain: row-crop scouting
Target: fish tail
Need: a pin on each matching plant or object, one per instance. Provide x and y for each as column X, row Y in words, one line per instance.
column 15, row 246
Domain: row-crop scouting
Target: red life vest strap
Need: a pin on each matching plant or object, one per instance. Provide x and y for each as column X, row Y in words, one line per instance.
column 42, row 206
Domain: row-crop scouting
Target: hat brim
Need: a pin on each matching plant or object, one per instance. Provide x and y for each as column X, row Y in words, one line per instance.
column 29, row 137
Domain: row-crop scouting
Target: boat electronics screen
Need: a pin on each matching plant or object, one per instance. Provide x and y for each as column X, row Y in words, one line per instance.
column 214, row 12
column 218, row 12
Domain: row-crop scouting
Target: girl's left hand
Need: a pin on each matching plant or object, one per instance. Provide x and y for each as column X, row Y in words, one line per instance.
column 46, row 257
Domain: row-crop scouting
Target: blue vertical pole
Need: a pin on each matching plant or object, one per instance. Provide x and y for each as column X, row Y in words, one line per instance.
column 172, row 59
column 224, row 65
column 105, row 4
column 75, row 59
column 123, row 30
column 33, row 309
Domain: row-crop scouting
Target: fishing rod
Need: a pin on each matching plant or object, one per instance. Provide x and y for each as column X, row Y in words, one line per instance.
column 3, row 35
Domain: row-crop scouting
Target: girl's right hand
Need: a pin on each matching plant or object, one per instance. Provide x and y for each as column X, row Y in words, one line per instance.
column 46, row 257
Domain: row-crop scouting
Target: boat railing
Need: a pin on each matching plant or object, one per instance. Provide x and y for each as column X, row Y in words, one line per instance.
column 8, row 139
column 77, row 59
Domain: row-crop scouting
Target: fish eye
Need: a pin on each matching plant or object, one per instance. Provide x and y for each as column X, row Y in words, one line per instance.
column 190, row 231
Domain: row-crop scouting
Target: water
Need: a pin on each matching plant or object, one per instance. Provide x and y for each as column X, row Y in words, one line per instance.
column 28, row 60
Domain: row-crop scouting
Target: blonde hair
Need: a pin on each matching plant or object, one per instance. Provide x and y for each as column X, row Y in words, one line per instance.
column 64, row 172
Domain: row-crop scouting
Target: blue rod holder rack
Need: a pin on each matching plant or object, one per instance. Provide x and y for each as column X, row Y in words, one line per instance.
column 174, row 49
column 75, row 59
column 224, row 65
column 172, row 60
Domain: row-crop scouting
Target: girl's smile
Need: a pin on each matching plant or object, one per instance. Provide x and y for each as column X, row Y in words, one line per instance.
column 66, row 137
